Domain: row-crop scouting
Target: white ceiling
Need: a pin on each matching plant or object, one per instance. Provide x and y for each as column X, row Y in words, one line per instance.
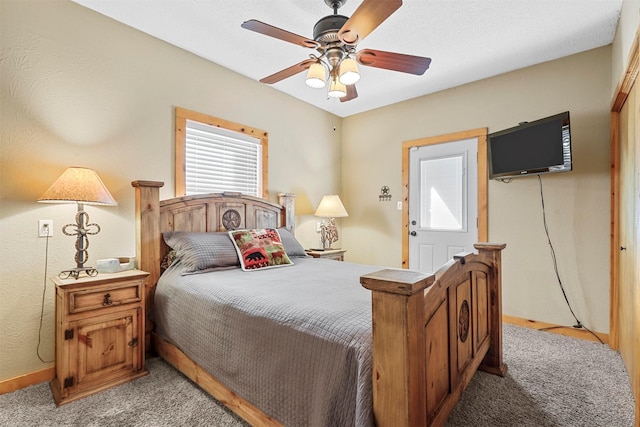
column 468, row 40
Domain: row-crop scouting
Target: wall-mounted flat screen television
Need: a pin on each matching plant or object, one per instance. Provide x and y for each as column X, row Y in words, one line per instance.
column 531, row 148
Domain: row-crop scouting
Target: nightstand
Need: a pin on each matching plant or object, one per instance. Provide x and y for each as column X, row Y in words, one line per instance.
column 336, row 254
column 99, row 333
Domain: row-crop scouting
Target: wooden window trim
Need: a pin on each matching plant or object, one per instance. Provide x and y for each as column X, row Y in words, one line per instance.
column 182, row 115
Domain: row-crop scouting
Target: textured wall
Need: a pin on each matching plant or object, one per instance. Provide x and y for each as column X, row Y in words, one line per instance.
column 577, row 202
column 628, row 26
column 80, row 89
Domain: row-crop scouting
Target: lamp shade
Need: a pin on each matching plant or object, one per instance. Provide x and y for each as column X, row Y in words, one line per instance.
column 78, row 185
column 337, row 89
column 331, row 207
column 316, row 76
column 349, row 71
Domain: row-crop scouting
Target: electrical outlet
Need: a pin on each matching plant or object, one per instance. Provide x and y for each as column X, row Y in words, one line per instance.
column 45, row 228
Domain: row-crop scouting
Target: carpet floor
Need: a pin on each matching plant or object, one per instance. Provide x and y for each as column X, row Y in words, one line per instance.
column 552, row 381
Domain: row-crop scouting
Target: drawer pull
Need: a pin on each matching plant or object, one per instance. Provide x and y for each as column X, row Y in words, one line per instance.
column 106, row 300
column 133, row 342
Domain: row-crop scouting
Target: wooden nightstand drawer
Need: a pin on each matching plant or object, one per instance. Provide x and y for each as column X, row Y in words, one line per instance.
column 102, row 297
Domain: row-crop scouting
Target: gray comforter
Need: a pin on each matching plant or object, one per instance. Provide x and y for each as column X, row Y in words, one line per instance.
column 294, row 341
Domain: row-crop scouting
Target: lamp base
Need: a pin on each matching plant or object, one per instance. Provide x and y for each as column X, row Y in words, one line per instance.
column 75, row 272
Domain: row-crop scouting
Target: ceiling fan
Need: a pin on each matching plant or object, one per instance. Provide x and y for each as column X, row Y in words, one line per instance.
column 335, row 38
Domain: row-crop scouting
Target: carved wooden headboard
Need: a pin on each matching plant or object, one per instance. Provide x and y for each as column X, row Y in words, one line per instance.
column 199, row 213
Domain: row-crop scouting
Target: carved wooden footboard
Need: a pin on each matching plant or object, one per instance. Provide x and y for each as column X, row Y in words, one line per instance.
column 431, row 334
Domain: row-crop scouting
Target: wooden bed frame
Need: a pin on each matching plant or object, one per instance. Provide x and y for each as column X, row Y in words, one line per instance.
column 430, row 332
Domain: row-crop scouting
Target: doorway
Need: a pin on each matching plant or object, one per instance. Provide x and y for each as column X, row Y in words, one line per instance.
column 478, row 137
column 624, row 328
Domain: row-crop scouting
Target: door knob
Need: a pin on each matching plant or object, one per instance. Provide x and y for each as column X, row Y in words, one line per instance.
column 413, row 233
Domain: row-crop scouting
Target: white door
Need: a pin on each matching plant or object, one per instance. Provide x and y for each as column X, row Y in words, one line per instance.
column 443, row 202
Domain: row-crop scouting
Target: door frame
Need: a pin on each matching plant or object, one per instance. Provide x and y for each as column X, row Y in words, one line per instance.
column 621, row 94
column 481, row 135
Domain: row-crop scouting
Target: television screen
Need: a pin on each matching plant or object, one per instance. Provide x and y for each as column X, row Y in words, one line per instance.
column 532, row 148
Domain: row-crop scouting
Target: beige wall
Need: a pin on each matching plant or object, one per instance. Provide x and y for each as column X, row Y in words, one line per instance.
column 80, row 89
column 577, row 203
column 625, row 33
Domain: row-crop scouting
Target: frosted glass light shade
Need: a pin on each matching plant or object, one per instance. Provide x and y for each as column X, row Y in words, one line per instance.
column 331, row 207
column 316, row 76
column 349, row 71
column 337, row 89
column 78, row 185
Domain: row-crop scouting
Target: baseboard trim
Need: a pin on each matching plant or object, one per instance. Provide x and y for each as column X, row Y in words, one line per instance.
column 13, row 384
column 568, row 331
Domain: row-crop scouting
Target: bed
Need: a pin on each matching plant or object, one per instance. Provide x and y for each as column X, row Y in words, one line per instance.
column 359, row 346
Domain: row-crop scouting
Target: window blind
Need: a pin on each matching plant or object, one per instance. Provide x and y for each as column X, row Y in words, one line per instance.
column 219, row 160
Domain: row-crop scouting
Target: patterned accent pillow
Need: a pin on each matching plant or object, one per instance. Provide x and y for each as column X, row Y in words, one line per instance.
column 291, row 244
column 200, row 252
column 259, row 249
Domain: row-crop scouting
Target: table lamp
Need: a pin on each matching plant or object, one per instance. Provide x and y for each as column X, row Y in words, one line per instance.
column 81, row 186
column 330, row 207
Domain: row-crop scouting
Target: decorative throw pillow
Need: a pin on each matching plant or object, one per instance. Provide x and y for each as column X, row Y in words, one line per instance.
column 291, row 244
column 259, row 248
column 200, row 252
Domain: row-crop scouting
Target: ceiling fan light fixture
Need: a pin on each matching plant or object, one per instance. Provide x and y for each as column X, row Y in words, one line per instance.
column 337, row 89
column 335, row 38
column 349, row 71
column 316, row 77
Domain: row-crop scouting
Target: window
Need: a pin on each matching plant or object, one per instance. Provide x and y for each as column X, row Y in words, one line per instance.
column 215, row 155
column 219, row 160
column 443, row 193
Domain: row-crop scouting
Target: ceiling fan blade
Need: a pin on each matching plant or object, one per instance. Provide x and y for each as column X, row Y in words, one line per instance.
column 288, row 72
column 278, row 33
column 352, row 93
column 366, row 18
column 393, row 61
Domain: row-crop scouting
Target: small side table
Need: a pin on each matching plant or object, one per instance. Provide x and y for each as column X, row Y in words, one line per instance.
column 335, row 254
column 99, row 333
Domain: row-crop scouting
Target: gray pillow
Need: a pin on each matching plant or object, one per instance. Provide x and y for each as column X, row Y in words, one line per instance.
column 199, row 252
column 291, row 245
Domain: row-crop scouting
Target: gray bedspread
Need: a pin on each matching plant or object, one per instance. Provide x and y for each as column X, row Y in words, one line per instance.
column 294, row 341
